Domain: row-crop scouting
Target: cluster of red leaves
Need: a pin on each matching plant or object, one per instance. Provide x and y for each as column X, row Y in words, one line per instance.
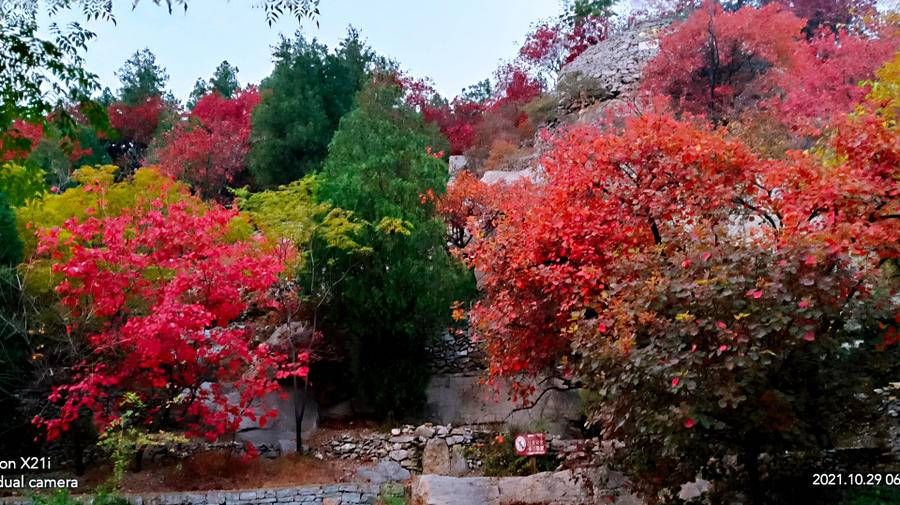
column 209, row 148
column 462, row 121
column 20, row 140
column 852, row 203
column 660, row 185
column 606, row 194
column 719, row 63
column 550, row 46
column 823, row 82
column 706, row 62
column 155, row 294
column 835, row 14
column 137, row 123
column 469, row 204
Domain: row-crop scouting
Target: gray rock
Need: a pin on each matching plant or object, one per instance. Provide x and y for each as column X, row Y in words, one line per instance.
column 402, row 439
column 436, row 457
column 399, row 455
column 559, row 488
column 509, row 177
column 384, row 471
column 424, row 431
column 456, row 164
column 442, row 490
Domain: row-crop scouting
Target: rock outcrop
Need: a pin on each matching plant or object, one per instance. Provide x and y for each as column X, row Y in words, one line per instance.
column 609, row 69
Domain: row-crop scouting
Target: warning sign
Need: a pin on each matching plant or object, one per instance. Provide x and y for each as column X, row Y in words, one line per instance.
column 530, row 444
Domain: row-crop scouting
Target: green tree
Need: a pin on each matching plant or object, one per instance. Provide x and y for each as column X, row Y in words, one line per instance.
column 141, row 77
column 224, row 81
column 381, row 168
column 303, row 101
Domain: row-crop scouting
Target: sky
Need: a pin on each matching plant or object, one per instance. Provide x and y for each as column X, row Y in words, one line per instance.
column 454, row 42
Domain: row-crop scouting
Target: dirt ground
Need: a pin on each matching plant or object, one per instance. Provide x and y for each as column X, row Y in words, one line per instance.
column 222, row 470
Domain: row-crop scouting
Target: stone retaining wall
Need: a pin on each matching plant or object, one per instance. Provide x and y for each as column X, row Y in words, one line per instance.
column 329, row 494
column 405, row 445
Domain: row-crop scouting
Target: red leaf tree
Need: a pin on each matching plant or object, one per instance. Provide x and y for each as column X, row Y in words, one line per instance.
column 719, row 64
column 156, row 295
column 707, row 297
column 209, row 149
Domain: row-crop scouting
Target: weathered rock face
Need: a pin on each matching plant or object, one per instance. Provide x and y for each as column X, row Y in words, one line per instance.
column 558, row 488
column 384, row 471
column 609, row 69
column 455, row 353
column 406, row 446
column 278, row 437
column 457, row 163
column 463, row 399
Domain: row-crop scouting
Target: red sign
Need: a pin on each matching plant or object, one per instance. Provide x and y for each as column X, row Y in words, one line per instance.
column 530, row 444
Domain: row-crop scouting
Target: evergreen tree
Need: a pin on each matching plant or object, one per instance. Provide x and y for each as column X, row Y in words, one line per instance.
column 224, row 80
column 303, row 101
column 142, row 77
column 380, row 167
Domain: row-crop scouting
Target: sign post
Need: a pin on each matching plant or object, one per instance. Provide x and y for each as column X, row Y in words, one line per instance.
column 531, row 444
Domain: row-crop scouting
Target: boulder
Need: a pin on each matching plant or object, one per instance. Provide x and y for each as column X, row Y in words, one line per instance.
column 443, row 490
column 436, row 457
column 384, row 471
column 508, row 177
column 461, row 399
column 457, row 163
column 279, row 434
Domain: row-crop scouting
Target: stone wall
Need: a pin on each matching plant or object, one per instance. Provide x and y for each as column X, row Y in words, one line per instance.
column 326, row 494
column 405, row 445
column 454, row 352
column 462, row 399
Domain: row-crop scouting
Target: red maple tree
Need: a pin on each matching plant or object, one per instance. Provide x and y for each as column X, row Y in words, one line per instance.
column 156, row 295
column 209, row 148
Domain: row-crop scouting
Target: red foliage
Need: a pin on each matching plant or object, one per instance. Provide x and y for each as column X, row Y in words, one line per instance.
column 210, row 148
column 460, row 120
column 550, row 46
column 831, row 13
column 515, row 86
column 606, row 195
column 853, row 205
column 719, row 64
column 660, row 187
column 20, row 140
column 157, row 292
column 714, row 57
column 137, row 123
column 823, row 82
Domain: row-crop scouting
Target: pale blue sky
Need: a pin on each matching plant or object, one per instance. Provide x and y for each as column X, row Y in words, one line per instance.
column 455, row 42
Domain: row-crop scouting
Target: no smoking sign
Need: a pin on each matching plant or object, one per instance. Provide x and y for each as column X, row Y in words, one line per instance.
column 530, row 444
